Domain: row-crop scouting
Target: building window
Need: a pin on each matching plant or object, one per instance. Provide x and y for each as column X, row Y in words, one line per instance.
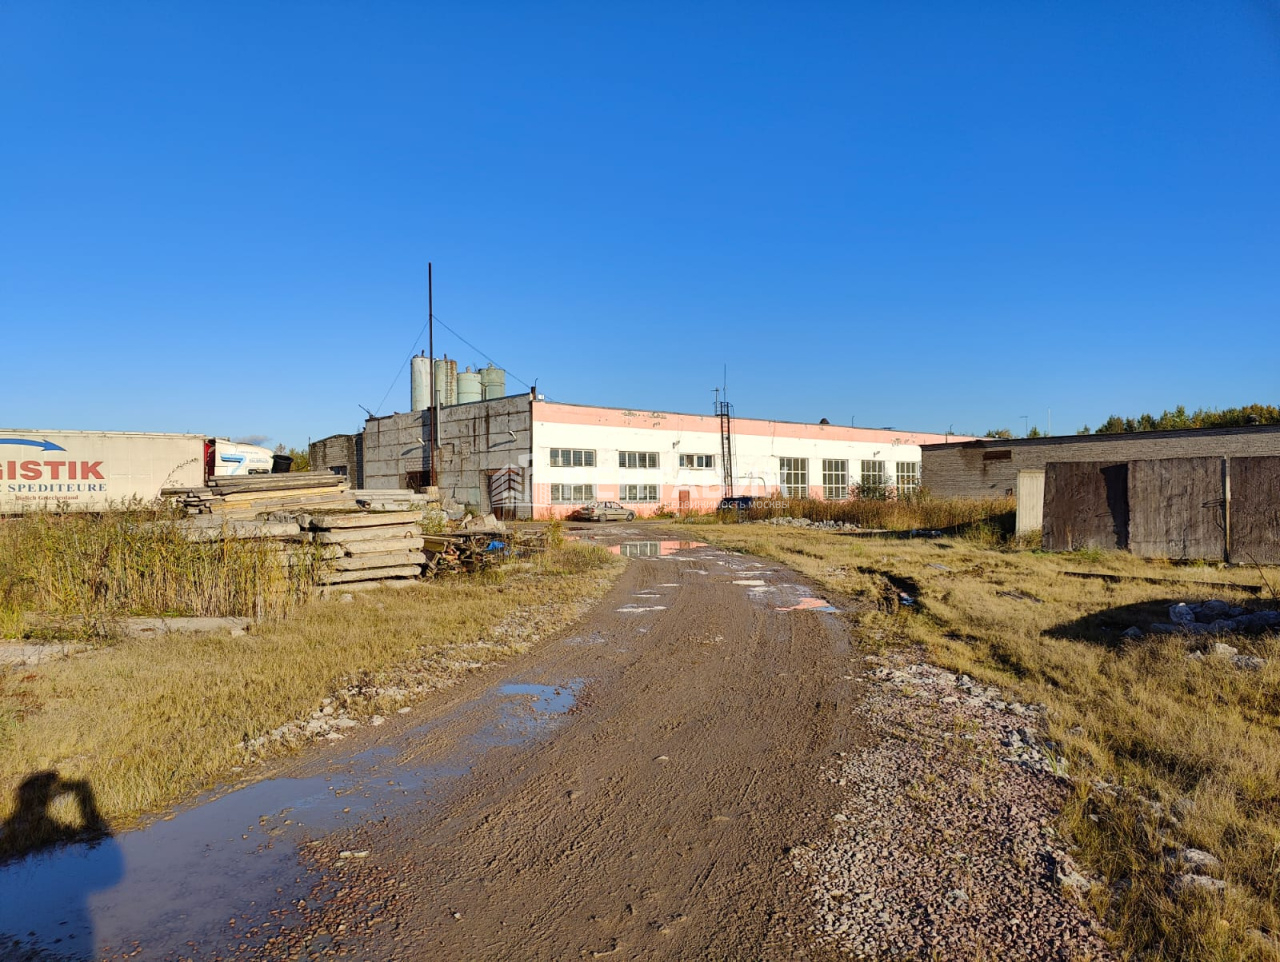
column 873, row 482
column 572, row 493
column 637, row 492
column 637, row 459
column 835, row 480
column 697, row 460
column 572, row 458
column 908, row 477
column 793, row 477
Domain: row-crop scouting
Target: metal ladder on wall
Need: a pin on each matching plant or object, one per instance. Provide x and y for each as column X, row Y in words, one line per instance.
column 724, row 410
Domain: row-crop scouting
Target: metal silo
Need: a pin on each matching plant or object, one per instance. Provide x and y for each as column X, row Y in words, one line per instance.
column 494, row 381
column 469, row 387
column 419, row 389
column 446, row 382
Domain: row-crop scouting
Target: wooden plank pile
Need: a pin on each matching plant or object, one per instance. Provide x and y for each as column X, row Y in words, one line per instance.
column 376, row 547
column 245, row 497
column 459, row 551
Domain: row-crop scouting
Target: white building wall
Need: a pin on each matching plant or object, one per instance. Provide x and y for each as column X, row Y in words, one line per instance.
column 758, row 447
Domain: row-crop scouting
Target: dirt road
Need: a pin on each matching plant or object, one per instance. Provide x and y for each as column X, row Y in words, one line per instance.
column 705, row 768
column 653, row 820
column 627, row 791
column 653, row 823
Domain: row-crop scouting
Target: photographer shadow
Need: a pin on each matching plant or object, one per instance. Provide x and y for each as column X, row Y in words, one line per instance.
column 52, row 812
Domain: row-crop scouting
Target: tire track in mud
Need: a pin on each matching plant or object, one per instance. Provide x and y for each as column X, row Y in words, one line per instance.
column 655, row 820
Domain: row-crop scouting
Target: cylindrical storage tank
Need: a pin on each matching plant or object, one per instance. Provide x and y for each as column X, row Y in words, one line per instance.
column 494, row 381
column 419, row 389
column 469, row 387
column 446, row 382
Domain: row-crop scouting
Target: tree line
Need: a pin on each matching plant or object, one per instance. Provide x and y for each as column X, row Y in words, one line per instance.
column 1179, row 419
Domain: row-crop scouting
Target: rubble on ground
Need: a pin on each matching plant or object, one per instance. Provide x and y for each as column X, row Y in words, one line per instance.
column 1200, row 623
column 943, row 846
column 1216, row 617
column 806, row 523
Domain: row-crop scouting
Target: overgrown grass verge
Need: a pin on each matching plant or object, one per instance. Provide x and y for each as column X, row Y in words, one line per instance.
column 913, row 512
column 1164, row 750
column 77, row 574
column 150, row 721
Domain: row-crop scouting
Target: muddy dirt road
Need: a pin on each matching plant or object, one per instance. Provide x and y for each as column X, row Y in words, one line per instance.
column 629, row 790
column 654, row 820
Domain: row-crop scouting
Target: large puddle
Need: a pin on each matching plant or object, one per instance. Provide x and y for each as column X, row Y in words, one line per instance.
column 180, row 880
column 653, row 549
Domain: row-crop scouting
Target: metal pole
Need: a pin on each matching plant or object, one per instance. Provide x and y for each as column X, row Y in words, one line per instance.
column 433, row 435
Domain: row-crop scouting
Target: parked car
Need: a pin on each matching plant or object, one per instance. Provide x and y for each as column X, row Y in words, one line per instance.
column 602, row 511
column 737, row 505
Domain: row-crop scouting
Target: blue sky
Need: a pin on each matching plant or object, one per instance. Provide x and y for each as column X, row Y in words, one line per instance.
column 216, row 217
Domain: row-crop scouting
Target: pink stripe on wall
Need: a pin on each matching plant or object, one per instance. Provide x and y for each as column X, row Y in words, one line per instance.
column 556, row 413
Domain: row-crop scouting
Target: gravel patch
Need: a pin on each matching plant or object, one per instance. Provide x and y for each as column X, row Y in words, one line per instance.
column 944, row 847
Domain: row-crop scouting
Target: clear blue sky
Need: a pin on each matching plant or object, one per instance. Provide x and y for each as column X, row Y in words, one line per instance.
column 217, row 217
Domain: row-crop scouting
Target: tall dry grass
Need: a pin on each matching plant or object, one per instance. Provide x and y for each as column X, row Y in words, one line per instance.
column 149, row 721
column 1197, row 737
column 920, row 511
column 80, row 573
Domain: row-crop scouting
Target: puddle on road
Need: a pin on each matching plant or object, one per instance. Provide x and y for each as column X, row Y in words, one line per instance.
column 810, row 604
column 752, row 583
column 653, row 549
column 180, row 880
column 636, row 609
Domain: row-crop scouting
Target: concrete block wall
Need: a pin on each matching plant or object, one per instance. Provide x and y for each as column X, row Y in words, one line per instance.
column 339, row 453
column 988, row 468
column 396, row 447
column 481, row 438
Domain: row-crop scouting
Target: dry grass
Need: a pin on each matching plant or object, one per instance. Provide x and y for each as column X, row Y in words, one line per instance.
column 1139, row 715
column 77, row 574
column 919, row 511
column 149, row 721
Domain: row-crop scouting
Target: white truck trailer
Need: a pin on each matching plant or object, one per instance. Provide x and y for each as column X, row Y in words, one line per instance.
column 98, row 470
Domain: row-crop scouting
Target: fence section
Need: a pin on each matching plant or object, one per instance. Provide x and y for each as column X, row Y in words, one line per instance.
column 1206, row 508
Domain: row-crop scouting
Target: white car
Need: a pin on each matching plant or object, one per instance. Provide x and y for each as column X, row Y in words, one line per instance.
column 602, row 511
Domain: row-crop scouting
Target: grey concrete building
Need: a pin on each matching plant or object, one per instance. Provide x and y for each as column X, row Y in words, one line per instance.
column 482, row 444
column 989, row 467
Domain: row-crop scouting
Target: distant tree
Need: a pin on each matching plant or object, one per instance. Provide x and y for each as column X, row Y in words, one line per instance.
column 1034, row 432
column 999, row 433
column 301, row 459
column 1179, row 419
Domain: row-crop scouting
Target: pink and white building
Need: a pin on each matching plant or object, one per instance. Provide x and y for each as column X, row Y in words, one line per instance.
column 648, row 460
column 524, row 456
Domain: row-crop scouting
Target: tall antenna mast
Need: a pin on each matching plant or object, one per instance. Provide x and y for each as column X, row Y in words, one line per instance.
column 431, row 350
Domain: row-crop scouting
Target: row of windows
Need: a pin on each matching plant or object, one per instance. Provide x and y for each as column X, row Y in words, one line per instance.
column 793, row 474
column 578, row 493
column 793, row 477
column 637, row 459
column 572, row 493
column 637, row 492
column 572, row 458
column 575, row 458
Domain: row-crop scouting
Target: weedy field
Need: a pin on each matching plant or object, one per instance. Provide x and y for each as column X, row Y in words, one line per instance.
column 75, row 575
column 147, row 721
column 1164, row 750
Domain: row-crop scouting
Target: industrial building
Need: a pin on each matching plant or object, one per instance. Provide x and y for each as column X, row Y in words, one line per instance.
column 522, row 456
column 989, row 467
column 1206, row 494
